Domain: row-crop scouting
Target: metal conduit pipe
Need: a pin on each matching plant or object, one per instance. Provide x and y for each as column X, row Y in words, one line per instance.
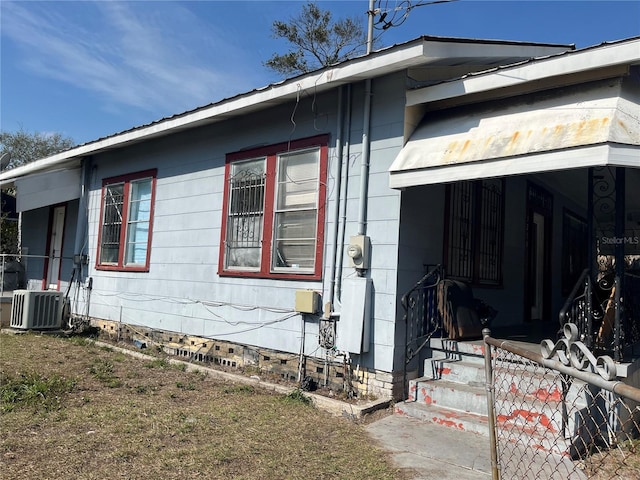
column 83, row 221
column 343, row 198
column 338, row 188
column 364, row 163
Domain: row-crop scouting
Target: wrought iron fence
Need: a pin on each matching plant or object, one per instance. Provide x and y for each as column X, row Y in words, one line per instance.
column 561, row 413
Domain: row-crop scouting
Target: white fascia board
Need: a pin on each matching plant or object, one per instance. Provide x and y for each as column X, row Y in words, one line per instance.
column 328, row 78
column 624, row 156
column 564, row 64
column 395, row 59
column 593, row 156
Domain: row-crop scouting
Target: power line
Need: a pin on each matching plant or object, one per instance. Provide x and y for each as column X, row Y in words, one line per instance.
column 388, row 17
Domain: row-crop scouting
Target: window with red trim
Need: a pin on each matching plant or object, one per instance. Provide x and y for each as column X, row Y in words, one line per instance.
column 126, row 215
column 273, row 222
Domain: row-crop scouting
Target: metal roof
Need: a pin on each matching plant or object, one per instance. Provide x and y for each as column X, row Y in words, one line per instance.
column 417, row 52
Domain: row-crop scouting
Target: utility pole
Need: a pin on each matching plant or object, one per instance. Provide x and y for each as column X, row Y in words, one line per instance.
column 370, row 14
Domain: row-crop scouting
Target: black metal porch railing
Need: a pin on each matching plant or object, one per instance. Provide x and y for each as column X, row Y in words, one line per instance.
column 578, row 310
column 591, row 307
column 631, row 325
column 421, row 317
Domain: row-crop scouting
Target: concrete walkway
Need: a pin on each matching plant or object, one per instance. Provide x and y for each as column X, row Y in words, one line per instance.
column 433, row 451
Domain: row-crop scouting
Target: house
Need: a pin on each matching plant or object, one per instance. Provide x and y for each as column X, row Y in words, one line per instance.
column 281, row 228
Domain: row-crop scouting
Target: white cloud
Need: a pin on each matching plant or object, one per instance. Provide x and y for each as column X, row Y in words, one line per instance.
column 156, row 56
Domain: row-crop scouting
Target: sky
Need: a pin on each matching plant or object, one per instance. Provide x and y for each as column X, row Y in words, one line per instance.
column 89, row 69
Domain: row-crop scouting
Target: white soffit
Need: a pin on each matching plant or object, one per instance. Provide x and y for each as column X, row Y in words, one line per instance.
column 50, row 188
column 474, row 139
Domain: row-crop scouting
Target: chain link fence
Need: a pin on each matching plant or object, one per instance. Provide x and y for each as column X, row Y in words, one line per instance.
column 560, row 414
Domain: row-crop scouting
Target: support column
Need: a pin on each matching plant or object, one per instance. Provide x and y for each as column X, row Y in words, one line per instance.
column 619, row 259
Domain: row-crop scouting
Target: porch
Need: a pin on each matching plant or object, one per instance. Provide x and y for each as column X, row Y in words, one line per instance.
column 540, row 249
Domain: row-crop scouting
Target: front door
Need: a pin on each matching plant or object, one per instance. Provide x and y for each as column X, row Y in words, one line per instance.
column 538, row 253
column 55, row 249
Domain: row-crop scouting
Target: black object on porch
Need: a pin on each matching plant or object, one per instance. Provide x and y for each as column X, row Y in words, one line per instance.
column 436, row 305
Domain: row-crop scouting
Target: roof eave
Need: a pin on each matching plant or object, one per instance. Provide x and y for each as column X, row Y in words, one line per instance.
column 500, row 78
column 416, row 52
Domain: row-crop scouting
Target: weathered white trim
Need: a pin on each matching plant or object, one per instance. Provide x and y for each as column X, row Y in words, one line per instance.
column 576, row 62
column 423, row 51
column 592, row 156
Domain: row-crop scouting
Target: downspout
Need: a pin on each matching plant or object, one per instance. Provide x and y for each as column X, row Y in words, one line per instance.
column 82, row 223
column 338, row 190
column 82, row 226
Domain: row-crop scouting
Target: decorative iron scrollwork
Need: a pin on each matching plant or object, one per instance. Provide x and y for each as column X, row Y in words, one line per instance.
column 571, row 352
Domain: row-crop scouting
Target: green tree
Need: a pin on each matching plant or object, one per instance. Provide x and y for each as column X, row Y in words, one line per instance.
column 25, row 147
column 316, row 41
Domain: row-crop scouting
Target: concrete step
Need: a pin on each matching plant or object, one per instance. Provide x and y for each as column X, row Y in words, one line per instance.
column 541, row 429
column 443, row 348
column 458, row 396
column 460, row 371
column 463, row 421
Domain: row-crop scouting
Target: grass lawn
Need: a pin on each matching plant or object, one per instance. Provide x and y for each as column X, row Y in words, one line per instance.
column 73, row 410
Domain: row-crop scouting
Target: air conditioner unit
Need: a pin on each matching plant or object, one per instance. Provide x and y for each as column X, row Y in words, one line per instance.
column 36, row 310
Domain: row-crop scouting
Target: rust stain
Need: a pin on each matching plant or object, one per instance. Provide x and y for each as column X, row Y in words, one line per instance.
column 465, row 145
column 444, row 370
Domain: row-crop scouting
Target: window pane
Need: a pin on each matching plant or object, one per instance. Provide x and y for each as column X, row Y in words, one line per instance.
column 244, row 234
column 460, row 261
column 246, row 214
column 295, row 217
column 489, row 246
column 295, row 239
column 298, row 180
column 140, row 201
column 138, row 222
column 111, row 223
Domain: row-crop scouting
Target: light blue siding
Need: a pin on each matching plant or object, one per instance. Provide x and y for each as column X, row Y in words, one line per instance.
column 182, row 290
